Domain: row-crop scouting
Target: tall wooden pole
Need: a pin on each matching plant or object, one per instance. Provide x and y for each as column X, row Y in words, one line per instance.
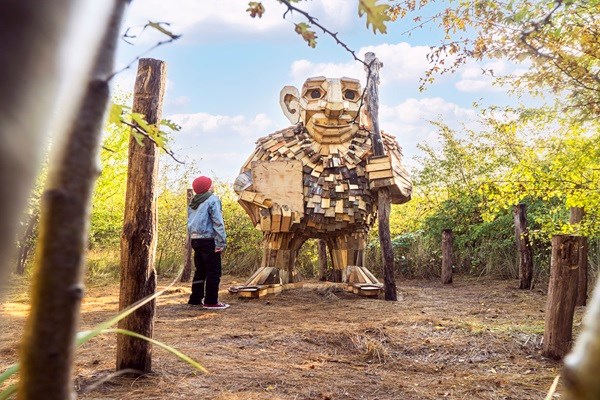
column 524, row 247
column 187, row 267
column 576, row 217
column 562, row 291
column 138, row 242
column 384, row 197
column 447, row 256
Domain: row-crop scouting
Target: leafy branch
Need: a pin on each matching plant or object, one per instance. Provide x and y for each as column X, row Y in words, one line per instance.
column 142, row 129
column 160, row 27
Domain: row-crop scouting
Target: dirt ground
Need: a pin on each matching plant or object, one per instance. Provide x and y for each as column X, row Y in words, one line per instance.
column 474, row 339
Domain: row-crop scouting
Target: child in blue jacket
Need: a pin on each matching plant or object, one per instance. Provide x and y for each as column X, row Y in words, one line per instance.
column 207, row 232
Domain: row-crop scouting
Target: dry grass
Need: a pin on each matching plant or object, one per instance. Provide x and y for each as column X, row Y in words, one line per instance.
column 475, row 339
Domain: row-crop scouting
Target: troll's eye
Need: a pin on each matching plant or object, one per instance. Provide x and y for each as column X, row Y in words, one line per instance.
column 350, row 95
column 315, row 94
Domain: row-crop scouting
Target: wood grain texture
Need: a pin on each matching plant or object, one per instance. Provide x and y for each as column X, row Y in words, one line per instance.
column 524, row 247
column 138, row 241
column 562, row 293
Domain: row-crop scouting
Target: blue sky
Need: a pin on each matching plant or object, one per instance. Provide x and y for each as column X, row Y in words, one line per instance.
column 225, row 74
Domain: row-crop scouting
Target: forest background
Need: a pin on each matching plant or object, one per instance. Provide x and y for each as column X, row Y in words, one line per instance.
column 546, row 157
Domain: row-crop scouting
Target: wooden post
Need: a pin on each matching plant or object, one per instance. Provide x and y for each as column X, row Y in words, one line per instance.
column 322, row 250
column 562, row 291
column 524, row 247
column 186, row 275
column 384, row 197
column 138, row 242
column 447, row 241
column 577, row 214
column 384, row 206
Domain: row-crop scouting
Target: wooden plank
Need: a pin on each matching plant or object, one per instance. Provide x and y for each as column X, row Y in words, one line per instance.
column 388, row 173
column 276, row 219
column 265, row 220
column 379, row 160
column 378, row 183
column 286, row 218
column 248, row 196
column 378, row 167
column 280, row 181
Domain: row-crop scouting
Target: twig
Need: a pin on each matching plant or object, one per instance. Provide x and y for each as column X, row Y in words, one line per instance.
column 314, row 21
column 128, row 66
column 128, row 36
column 143, row 132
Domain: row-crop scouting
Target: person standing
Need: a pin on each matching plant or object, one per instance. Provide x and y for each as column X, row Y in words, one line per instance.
column 207, row 232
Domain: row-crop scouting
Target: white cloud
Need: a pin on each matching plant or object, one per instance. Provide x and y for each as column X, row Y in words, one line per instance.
column 218, row 144
column 210, row 20
column 178, row 101
column 410, row 122
column 402, row 64
column 475, row 77
column 200, row 124
column 223, row 165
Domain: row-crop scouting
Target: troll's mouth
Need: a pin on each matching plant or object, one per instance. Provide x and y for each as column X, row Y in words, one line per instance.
column 329, row 126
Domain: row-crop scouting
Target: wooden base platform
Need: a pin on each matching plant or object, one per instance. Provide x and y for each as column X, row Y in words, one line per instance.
column 365, row 290
column 258, row 291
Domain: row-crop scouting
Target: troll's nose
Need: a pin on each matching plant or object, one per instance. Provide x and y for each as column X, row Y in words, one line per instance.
column 334, row 109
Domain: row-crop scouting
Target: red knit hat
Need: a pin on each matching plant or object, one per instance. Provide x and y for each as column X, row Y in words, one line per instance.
column 201, row 184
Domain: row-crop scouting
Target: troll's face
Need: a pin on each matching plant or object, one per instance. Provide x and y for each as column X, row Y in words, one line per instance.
column 326, row 107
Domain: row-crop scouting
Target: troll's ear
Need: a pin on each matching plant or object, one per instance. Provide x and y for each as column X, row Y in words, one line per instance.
column 289, row 101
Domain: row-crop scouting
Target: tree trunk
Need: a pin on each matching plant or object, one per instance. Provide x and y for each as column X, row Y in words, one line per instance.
column 26, row 243
column 31, row 34
column 562, row 292
column 384, row 202
column 447, row 242
column 138, row 242
column 583, row 363
column 524, row 247
column 576, row 217
column 322, row 250
column 187, row 267
column 48, row 341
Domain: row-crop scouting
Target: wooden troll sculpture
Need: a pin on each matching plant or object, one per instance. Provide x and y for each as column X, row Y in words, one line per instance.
column 318, row 179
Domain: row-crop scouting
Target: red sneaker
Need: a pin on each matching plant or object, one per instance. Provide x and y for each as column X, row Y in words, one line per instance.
column 218, row 306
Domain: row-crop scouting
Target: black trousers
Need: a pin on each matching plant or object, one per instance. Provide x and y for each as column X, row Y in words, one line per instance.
column 208, row 272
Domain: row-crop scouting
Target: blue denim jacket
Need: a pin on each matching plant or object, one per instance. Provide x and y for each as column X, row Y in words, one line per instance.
column 206, row 221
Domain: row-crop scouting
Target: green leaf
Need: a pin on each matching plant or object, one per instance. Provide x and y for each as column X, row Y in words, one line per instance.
column 115, row 113
column 141, row 121
column 307, row 34
column 139, row 138
column 85, row 336
column 170, row 349
column 170, row 124
column 256, row 9
column 159, row 27
column 10, row 371
column 377, row 14
column 6, row 393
